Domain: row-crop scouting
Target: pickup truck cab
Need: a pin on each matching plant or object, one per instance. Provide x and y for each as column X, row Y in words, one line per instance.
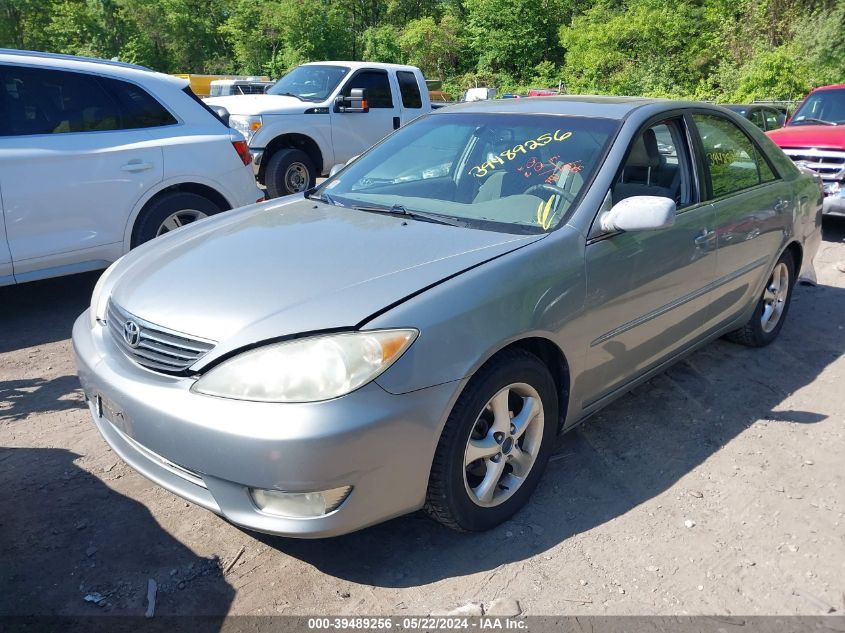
column 321, row 114
column 814, row 138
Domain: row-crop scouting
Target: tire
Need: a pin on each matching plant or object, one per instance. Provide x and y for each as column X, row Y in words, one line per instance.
column 770, row 312
column 455, row 494
column 289, row 171
column 170, row 211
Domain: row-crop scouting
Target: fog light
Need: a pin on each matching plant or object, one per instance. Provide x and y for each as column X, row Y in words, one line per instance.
column 299, row 504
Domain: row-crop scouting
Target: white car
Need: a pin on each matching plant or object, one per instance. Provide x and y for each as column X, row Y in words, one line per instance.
column 97, row 157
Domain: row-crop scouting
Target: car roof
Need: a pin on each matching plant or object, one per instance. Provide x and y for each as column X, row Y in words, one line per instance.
column 577, row 105
column 90, row 64
column 357, row 65
column 831, row 87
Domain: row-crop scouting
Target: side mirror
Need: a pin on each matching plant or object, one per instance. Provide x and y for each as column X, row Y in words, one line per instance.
column 640, row 213
column 221, row 113
column 355, row 102
column 335, row 169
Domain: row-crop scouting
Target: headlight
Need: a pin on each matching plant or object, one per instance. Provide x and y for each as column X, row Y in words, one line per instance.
column 246, row 125
column 99, row 302
column 309, row 369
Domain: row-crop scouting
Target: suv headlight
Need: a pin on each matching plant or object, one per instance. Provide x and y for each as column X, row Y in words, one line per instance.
column 246, row 125
column 309, row 369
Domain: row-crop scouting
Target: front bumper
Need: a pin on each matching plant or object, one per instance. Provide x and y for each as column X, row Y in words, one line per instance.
column 212, row 450
column 257, row 155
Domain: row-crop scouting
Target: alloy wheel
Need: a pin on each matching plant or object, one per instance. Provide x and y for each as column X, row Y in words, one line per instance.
column 774, row 297
column 178, row 219
column 503, row 445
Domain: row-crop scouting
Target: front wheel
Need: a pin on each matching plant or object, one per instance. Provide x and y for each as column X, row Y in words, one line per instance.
column 289, row 171
column 495, row 444
column 767, row 320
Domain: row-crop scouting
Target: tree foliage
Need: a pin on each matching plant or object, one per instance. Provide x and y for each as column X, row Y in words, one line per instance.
column 734, row 50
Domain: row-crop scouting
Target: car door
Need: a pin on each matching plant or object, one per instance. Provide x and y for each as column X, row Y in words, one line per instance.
column 753, row 208
column 354, row 132
column 647, row 291
column 70, row 174
column 6, row 276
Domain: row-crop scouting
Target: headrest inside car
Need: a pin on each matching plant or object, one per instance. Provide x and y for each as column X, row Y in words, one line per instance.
column 644, row 151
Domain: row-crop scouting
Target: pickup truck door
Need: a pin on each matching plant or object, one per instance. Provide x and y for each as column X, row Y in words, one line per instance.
column 409, row 91
column 354, row 132
column 6, row 276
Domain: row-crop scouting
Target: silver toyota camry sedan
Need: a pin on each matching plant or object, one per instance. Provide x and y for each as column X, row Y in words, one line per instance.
column 414, row 332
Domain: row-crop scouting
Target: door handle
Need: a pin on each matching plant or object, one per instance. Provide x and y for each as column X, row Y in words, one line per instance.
column 396, row 123
column 136, row 166
column 704, row 238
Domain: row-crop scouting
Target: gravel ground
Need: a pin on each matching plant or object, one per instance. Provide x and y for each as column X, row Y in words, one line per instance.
column 715, row 488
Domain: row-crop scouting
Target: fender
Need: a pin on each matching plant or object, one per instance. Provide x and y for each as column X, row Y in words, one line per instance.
column 316, row 127
column 161, row 186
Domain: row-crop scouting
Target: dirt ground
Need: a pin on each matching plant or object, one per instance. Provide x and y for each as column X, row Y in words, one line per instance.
column 716, row 488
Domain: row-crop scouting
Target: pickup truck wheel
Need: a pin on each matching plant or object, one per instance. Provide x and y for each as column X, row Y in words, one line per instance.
column 169, row 212
column 289, row 171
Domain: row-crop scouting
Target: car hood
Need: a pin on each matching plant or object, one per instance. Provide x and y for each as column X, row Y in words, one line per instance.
column 260, row 104
column 292, row 266
column 817, row 136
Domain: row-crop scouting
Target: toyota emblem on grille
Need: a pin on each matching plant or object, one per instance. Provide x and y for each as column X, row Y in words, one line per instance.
column 131, row 333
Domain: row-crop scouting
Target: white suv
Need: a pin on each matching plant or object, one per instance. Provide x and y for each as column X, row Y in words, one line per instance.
column 97, row 157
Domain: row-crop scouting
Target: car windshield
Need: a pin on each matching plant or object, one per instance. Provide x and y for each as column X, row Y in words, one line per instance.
column 823, row 106
column 513, row 172
column 309, row 82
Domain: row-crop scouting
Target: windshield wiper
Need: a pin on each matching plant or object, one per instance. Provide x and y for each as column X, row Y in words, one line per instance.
column 810, row 119
column 289, row 94
column 323, row 197
column 422, row 216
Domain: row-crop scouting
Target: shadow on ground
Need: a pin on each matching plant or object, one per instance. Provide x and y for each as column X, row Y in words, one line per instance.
column 106, row 544
column 43, row 311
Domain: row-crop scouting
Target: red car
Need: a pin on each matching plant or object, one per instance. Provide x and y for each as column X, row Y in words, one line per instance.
column 815, row 138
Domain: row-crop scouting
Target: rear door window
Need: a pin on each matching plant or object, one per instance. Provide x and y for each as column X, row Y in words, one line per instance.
column 730, row 156
column 44, row 101
column 410, row 89
column 376, row 84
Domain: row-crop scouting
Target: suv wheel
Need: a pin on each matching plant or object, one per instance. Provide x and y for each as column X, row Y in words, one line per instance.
column 289, row 171
column 169, row 212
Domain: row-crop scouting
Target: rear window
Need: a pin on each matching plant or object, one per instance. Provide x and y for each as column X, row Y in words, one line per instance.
column 43, row 101
column 409, row 88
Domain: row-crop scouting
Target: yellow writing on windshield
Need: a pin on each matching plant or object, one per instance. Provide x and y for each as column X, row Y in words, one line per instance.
column 479, row 171
column 544, row 213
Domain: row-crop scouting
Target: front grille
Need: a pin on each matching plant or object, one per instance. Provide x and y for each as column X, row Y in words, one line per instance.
column 157, row 348
column 827, row 163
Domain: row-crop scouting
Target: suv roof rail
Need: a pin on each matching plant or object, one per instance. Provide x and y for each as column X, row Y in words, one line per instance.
column 96, row 60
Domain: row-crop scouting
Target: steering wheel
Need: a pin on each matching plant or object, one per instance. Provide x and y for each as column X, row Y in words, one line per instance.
column 558, row 191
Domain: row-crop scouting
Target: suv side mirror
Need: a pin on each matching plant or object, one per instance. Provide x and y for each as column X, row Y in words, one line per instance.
column 355, row 102
column 640, row 213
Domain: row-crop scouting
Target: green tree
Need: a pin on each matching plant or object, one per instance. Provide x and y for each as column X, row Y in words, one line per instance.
column 431, row 46
column 513, row 36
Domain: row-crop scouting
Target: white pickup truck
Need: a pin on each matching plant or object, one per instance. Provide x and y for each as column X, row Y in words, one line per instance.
column 322, row 114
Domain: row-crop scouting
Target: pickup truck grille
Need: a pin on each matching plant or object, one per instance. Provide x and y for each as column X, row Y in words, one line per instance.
column 827, row 163
column 153, row 346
